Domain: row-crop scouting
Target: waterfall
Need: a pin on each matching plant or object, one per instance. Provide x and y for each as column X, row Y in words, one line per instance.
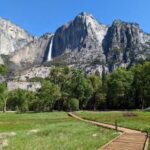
column 49, row 57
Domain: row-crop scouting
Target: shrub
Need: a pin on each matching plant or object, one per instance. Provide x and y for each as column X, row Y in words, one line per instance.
column 3, row 69
column 17, row 110
column 74, row 104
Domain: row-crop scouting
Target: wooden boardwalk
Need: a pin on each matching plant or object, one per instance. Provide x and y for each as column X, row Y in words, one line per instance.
column 128, row 140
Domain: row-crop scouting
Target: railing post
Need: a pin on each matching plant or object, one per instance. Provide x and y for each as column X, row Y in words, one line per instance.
column 116, row 126
column 147, row 136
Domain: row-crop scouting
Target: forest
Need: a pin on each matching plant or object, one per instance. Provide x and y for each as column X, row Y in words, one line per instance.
column 69, row 90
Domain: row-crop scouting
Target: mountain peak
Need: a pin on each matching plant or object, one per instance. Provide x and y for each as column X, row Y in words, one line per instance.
column 82, row 42
column 85, row 14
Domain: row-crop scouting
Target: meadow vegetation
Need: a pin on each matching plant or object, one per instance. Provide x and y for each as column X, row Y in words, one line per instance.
column 135, row 119
column 54, row 131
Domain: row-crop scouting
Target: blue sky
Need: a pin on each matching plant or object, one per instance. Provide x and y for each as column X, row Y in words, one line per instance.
column 40, row 16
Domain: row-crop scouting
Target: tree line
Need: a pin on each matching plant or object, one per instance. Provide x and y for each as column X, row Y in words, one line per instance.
column 69, row 89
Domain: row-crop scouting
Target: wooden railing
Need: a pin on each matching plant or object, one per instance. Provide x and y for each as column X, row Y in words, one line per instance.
column 145, row 146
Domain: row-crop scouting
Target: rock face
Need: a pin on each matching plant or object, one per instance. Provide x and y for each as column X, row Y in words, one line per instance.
column 35, row 52
column 23, row 49
column 86, row 44
column 30, row 86
column 84, row 32
column 1, row 78
column 80, row 41
column 1, row 60
column 39, row 72
column 12, row 37
column 125, row 44
column 83, row 43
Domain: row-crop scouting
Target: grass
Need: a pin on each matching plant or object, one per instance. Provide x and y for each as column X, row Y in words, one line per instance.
column 57, row 131
column 137, row 120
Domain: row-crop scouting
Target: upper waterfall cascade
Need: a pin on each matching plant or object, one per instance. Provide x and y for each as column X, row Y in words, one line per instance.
column 49, row 58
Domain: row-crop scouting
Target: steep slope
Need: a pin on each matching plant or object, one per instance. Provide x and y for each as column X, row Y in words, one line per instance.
column 79, row 43
column 80, row 33
column 83, row 43
column 1, row 60
column 86, row 44
column 22, row 49
column 125, row 44
column 12, row 37
column 35, row 52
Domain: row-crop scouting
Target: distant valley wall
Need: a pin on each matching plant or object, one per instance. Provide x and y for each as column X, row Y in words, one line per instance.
column 30, row 86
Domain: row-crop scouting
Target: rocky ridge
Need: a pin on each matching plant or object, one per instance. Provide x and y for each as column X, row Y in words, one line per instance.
column 34, row 53
column 12, row 37
column 83, row 43
column 89, row 45
column 125, row 44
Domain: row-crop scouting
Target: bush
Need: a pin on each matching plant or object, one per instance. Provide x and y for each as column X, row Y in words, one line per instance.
column 17, row 110
column 74, row 104
column 3, row 69
column 1, row 105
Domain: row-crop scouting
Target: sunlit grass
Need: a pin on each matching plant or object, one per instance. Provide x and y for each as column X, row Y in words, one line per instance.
column 140, row 120
column 56, row 131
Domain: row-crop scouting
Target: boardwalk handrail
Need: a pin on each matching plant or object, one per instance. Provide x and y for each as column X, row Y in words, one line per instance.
column 145, row 146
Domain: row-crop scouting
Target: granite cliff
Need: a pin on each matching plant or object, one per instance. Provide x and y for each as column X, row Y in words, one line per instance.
column 82, row 43
column 12, row 37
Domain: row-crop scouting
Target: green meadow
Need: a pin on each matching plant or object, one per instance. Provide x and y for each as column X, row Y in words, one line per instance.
column 51, row 131
column 139, row 120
